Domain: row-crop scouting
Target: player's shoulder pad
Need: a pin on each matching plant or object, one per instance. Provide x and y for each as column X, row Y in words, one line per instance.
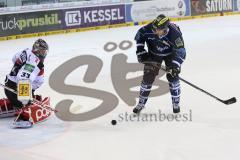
column 140, row 34
column 175, row 29
column 32, row 59
column 176, row 35
column 143, row 31
column 27, row 50
column 23, row 55
column 147, row 28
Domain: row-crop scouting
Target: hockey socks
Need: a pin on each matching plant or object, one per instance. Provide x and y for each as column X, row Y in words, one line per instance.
column 175, row 91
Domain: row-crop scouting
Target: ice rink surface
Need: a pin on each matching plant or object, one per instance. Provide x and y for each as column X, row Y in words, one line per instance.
column 213, row 133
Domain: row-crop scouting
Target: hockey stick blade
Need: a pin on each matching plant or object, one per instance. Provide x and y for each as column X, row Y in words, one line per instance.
column 230, row 101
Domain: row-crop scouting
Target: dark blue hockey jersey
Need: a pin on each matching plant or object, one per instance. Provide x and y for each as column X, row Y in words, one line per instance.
column 171, row 43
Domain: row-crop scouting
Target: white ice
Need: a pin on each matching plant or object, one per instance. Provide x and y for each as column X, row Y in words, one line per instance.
column 213, row 134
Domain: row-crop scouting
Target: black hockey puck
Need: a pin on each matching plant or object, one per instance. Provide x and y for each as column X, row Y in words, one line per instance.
column 114, row 122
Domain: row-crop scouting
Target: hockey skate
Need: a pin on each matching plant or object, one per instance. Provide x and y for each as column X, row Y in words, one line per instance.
column 138, row 108
column 176, row 108
column 21, row 123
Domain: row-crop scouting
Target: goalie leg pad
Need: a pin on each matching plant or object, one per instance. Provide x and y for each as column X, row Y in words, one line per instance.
column 36, row 112
column 6, row 108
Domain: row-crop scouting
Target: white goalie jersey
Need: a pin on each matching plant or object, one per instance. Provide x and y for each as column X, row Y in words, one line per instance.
column 27, row 66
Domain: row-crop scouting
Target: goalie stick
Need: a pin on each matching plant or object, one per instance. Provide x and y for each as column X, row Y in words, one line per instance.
column 227, row 102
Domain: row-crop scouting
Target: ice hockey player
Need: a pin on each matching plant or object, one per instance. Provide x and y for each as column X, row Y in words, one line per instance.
column 28, row 65
column 165, row 43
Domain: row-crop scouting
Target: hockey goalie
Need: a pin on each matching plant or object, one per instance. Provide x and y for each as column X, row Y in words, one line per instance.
column 26, row 76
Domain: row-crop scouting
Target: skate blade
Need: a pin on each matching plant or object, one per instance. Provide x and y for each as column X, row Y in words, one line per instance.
column 21, row 124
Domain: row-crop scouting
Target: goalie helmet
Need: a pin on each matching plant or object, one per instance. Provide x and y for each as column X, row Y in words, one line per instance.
column 161, row 22
column 40, row 49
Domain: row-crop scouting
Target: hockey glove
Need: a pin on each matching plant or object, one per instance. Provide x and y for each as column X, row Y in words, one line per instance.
column 142, row 56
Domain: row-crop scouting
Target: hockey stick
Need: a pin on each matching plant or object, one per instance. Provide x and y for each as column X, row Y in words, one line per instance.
column 34, row 100
column 227, row 102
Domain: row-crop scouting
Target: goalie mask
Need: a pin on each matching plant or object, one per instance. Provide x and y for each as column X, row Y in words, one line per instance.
column 40, row 49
